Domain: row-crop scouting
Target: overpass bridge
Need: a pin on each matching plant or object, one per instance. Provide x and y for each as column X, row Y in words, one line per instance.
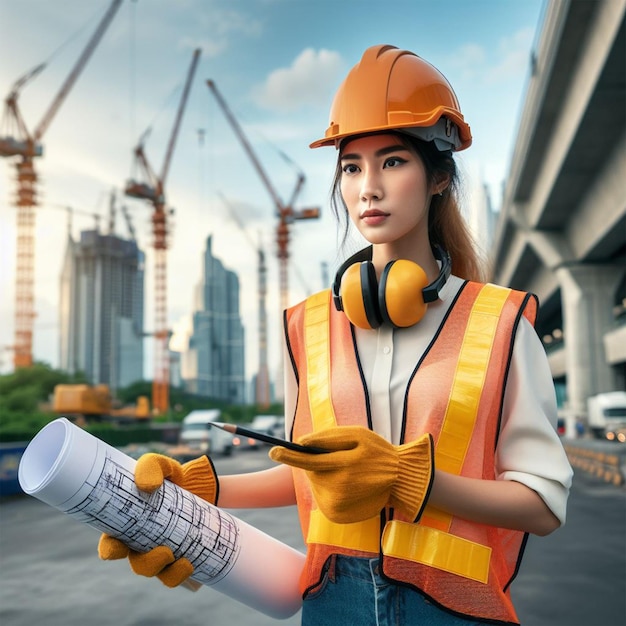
column 561, row 232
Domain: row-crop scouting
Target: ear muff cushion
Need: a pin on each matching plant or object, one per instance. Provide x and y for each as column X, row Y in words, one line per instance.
column 359, row 295
column 400, row 296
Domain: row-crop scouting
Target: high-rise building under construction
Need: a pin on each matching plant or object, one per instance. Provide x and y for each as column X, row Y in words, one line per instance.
column 102, row 309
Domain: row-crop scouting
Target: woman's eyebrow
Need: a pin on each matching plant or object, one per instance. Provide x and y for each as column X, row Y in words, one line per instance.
column 382, row 152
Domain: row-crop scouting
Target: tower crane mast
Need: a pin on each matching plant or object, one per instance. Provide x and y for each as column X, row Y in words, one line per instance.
column 27, row 146
column 285, row 212
column 152, row 189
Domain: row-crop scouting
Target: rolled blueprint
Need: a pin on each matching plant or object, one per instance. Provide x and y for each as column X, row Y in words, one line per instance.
column 74, row 472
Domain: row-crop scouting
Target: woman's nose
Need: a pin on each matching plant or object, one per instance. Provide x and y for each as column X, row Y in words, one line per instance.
column 371, row 188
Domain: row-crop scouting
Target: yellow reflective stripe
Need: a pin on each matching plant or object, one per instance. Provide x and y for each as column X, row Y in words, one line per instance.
column 317, row 347
column 469, row 378
column 437, row 549
column 402, row 540
column 364, row 536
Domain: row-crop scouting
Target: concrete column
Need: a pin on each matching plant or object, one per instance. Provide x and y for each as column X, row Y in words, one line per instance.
column 587, row 293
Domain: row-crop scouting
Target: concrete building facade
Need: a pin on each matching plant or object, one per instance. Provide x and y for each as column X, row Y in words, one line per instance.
column 102, row 309
column 562, row 229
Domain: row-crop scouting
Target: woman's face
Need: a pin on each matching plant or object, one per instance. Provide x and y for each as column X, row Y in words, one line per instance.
column 385, row 188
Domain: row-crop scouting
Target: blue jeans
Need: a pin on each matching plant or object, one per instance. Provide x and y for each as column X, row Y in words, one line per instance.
column 353, row 593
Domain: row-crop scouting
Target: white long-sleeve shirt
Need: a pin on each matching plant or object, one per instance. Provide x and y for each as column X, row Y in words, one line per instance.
column 529, row 450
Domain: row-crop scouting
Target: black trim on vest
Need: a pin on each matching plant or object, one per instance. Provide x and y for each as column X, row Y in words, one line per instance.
column 518, row 564
column 518, row 319
column 294, row 366
column 405, row 406
column 445, row 609
column 509, row 360
column 357, row 357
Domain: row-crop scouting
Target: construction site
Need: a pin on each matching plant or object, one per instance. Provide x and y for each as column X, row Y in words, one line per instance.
column 160, row 208
column 115, row 282
column 160, row 211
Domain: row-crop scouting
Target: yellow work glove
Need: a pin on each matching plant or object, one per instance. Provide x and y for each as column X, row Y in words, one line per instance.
column 198, row 477
column 363, row 473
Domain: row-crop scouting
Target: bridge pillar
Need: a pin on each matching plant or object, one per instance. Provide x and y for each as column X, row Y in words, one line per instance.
column 587, row 293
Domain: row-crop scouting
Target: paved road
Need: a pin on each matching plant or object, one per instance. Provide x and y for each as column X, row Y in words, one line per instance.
column 50, row 574
column 577, row 575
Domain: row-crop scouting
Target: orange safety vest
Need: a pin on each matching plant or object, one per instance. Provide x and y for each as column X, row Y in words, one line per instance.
column 456, row 394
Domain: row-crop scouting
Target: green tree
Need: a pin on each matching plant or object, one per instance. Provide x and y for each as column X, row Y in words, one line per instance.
column 25, row 394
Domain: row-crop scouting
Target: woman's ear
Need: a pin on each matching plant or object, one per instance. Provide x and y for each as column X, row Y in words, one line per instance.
column 441, row 183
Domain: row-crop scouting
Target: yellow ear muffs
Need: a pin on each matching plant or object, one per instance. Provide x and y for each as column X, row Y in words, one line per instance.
column 400, row 293
column 401, row 297
column 359, row 295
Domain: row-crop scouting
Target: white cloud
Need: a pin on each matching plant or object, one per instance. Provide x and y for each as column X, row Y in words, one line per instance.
column 508, row 61
column 221, row 28
column 311, row 79
column 512, row 56
column 470, row 60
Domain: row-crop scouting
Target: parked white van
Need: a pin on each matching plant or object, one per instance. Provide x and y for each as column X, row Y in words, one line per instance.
column 606, row 415
column 273, row 425
column 196, row 433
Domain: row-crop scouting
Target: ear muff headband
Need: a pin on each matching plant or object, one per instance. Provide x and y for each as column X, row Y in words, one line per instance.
column 431, row 292
column 401, row 297
column 362, row 255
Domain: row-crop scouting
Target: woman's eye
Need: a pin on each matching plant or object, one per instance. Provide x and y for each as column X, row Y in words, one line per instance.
column 349, row 168
column 394, row 161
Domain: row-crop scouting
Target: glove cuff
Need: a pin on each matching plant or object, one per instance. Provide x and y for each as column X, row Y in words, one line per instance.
column 416, row 470
column 200, row 477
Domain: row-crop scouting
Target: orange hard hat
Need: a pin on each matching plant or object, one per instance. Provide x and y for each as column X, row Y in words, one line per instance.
column 395, row 89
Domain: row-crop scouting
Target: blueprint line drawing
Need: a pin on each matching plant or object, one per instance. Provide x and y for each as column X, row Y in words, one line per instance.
column 207, row 536
column 92, row 482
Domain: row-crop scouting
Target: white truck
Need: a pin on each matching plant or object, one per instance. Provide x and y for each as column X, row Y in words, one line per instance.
column 197, row 434
column 606, row 415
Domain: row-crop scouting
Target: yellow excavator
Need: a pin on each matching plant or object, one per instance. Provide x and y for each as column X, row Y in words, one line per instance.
column 93, row 403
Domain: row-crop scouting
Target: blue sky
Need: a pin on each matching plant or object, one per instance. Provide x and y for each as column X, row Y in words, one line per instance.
column 277, row 63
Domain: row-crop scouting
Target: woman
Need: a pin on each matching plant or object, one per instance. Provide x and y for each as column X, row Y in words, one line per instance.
column 430, row 390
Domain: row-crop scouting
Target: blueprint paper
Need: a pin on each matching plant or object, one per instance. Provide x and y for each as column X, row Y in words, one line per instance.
column 92, row 482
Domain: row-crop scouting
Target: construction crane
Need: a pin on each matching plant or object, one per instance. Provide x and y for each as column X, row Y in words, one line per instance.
column 113, row 207
column 285, row 212
column 112, row 213
column 19, row 142
column 129, row 223
column 71, row 211
column 152, row 189
column 262, row 391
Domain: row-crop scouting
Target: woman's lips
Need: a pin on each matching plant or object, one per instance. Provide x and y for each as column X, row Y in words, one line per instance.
column 373, row 217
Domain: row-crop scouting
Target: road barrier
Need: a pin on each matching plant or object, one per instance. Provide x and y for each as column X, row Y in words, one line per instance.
column 607, row 466
column 10, row 456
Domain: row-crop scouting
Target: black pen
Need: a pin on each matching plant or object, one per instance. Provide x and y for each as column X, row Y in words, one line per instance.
column 245, row 432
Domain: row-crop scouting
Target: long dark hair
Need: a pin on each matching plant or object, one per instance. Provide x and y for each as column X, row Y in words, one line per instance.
column 446, row 225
